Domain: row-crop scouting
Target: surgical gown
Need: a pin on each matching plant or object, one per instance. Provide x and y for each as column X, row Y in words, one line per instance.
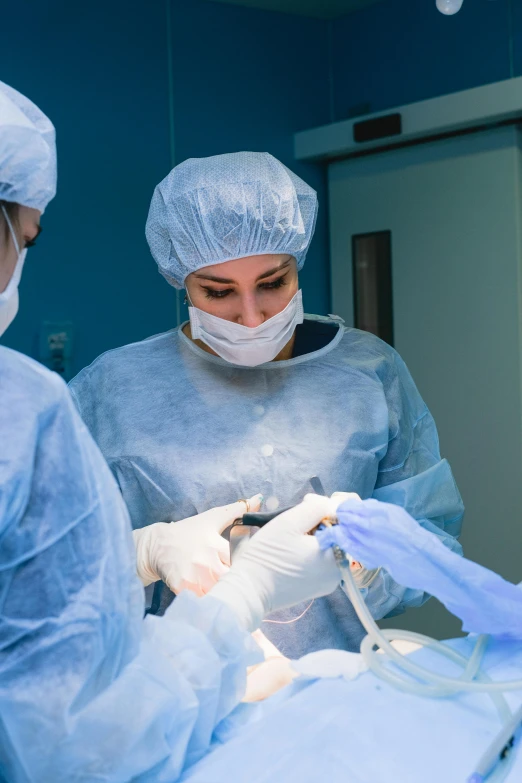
column 89, row 691
column 183, row 431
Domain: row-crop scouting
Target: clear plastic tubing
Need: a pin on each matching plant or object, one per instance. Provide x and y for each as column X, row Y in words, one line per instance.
column 411, row 677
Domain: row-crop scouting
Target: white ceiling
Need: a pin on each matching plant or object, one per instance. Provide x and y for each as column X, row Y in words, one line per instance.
column 325, row 9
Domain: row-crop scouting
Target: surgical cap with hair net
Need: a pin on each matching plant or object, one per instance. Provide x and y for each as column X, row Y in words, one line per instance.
column 211, row 210
column 27, row 152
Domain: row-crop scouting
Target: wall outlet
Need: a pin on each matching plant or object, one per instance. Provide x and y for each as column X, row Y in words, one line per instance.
column 56, row 345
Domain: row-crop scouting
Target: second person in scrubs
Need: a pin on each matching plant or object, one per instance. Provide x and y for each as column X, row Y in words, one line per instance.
column 253, row 396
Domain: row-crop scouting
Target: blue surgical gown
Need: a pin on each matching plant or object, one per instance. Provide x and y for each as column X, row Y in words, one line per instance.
column 183, row 431
column 89, row 691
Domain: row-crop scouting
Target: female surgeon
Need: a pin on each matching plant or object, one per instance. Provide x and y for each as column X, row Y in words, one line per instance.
column 89, row 691
column 251, row 395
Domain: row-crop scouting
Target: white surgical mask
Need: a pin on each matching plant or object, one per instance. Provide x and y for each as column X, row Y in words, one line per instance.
column 245, row 345
column 9, row 297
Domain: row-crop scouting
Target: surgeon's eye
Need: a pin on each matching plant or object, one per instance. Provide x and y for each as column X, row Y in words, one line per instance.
column 279, row 283
column 31, row 241
column 212, row 293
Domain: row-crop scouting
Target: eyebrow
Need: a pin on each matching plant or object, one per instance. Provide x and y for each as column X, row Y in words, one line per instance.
column 274, row 270
column 270, row 272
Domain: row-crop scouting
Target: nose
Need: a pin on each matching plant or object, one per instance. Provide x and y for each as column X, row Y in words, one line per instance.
column 250, row 312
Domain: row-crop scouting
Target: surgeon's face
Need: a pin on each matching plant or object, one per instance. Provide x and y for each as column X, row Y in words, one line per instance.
column 26, row 225
column 247, row 291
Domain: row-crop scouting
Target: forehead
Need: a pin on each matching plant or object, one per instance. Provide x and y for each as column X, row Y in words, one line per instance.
column 249, row 267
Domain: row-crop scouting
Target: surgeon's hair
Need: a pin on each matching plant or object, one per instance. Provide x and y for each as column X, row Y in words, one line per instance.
column 12, row 210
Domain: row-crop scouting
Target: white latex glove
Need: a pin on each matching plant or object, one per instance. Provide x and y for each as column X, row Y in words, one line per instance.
column 340, row 497
column 190, row 554
column 363, row 576
column 280, row 566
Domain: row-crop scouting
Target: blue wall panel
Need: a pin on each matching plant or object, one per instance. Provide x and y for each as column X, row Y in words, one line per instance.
column 242, row 79
column 100, row 71
column 248, row 80
column 402, row 51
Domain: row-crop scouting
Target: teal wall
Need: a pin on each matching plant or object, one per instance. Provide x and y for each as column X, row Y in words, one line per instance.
column 248, row 80
column 241, row 79
column 109, row 73
column 99, row 70
column 401, row 51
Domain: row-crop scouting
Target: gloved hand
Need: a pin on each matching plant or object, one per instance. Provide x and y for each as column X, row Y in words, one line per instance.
column 280, row 566
column 341, row 497
column 363, row 576
column 189, row 554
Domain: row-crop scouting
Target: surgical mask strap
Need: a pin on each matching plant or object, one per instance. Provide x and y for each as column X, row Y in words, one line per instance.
column 11, row 231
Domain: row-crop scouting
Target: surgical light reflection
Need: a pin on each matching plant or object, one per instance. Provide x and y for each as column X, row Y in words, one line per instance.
column 449, row 7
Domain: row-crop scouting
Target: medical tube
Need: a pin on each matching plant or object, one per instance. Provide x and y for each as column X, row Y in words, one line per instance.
column 412, row 678
column 421, row 681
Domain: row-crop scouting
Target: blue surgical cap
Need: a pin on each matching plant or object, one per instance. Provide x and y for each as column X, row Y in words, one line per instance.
column 211, row 210
column 27, row 152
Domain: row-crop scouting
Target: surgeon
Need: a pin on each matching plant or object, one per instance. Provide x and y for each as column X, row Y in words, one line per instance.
column 252, row 395
column 89, row 691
